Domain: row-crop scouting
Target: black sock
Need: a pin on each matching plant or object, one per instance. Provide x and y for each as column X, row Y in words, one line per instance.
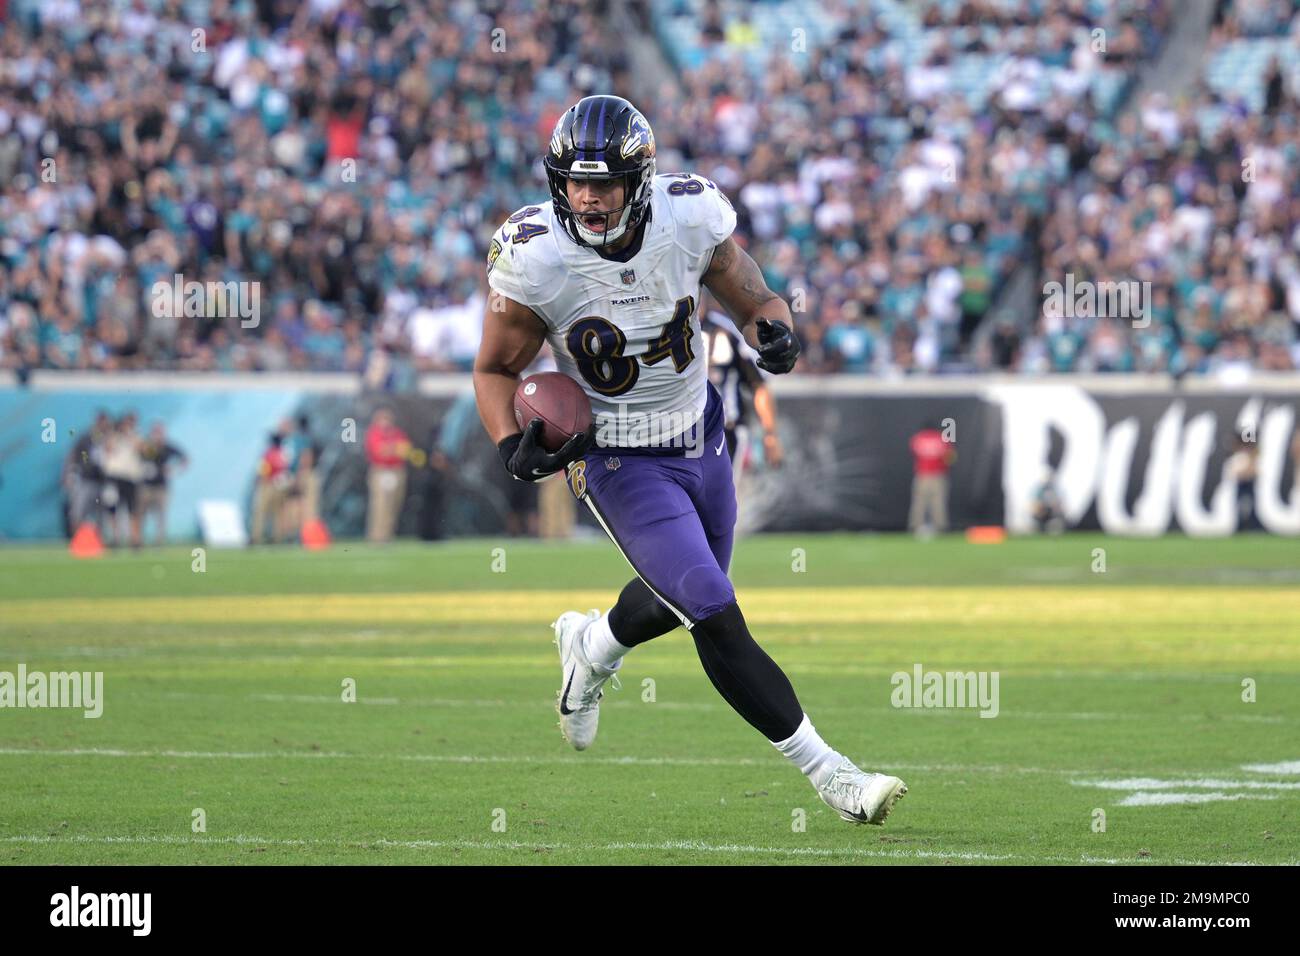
column 639, row 616
column 748, row 680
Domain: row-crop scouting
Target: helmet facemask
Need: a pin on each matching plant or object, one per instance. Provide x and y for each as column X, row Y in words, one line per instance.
column 617, row 221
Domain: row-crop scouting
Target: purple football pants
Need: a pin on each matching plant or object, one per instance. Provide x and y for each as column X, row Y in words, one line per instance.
column 672, row 517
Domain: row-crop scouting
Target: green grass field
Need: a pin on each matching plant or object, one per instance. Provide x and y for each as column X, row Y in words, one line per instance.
column 1119, row 692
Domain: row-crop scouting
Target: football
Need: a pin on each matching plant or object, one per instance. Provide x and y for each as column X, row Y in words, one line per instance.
column 558, row 401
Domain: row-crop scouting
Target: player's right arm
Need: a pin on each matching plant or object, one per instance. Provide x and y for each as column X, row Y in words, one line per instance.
column 512, row 336
column 513, row 333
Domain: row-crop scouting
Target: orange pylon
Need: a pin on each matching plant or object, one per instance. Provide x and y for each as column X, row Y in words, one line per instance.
column 86, row 543
column 315, row 536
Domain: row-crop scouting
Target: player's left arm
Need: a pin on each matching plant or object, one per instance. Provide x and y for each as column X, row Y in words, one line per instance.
column 762, row 316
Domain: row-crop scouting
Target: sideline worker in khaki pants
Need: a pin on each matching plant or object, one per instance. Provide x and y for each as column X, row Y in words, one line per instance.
column 387, row 492
column 387, row 450
column 933, row 453
column 929, row 503
column 271, row 493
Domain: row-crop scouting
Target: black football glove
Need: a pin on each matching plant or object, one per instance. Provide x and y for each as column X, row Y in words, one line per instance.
column 778, row 347
column 527, row 460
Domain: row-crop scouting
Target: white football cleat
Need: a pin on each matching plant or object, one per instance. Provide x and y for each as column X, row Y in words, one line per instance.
column 581, row 686
column 861, row 797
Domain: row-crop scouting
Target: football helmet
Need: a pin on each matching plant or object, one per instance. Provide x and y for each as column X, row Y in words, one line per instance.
column 602, row 137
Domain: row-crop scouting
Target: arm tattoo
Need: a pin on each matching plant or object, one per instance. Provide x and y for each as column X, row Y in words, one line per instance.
column 736, row 279
column 724, row 253
column 752, row 286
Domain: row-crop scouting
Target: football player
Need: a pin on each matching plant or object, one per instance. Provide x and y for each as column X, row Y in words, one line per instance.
column 609, row 272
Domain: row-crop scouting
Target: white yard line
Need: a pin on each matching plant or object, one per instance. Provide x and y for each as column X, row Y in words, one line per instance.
column 1201, row 783
column 1164, row 799
column 585, row 759
column 1288, row 767
column 690, row 846
column 960, row 713
column 324, row 699
column 1155, row 792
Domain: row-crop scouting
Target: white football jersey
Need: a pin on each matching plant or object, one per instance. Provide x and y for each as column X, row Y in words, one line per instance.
column 627, row 331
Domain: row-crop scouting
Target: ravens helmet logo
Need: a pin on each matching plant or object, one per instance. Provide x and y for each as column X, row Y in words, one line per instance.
column 639, row 137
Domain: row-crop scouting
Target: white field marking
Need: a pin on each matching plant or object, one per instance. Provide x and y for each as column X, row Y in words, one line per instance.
column 1051, row 574
column 1079, row 715
column 533, row 759
column 1285, row 767
column 321, row 699
column 336, row 699
column 694, row 845
column 676, row 668
column 541, row 703
column 1245, row 574
column 417, row 758
column 700, row 706
column 1142, row 676
column 1088, row 858
column 697, row 846
column 1145, row 799
column 1203, row 783
column 10, row 653
column 1216, row 576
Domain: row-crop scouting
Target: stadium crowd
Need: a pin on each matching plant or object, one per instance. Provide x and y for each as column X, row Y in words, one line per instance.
column 348, row 157
column 1200, row 198
column 351, row 158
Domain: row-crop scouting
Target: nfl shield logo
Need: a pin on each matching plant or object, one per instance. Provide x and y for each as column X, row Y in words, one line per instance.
column 612, row 464
column 628, row 276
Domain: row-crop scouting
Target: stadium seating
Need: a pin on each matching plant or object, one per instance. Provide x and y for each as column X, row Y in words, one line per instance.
column 898, row 162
